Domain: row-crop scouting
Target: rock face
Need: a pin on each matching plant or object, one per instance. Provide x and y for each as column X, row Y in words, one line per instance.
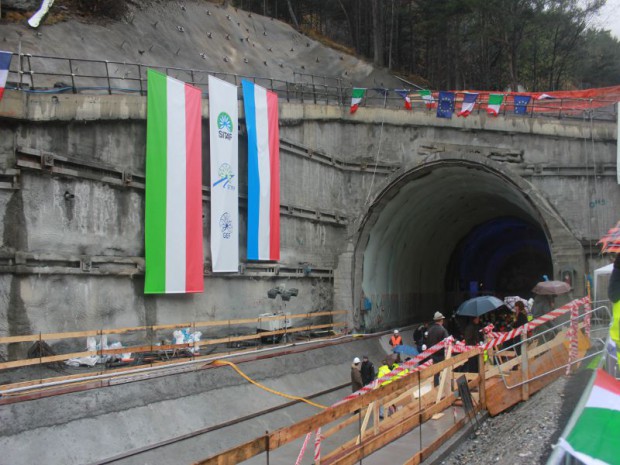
column 196, row 35
column 21, row 5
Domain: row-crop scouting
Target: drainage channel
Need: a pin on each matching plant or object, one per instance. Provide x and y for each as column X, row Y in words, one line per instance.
column 193, row 434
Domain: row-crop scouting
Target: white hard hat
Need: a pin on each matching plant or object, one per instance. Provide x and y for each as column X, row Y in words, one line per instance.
column 395, row 331
column 356, row 360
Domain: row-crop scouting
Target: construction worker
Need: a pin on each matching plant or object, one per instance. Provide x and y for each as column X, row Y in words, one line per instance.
column 396, row 339
column 356, row 375
column 384, row 369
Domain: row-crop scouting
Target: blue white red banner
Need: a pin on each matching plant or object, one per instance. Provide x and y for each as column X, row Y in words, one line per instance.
column 261, row 117
column 5, row 62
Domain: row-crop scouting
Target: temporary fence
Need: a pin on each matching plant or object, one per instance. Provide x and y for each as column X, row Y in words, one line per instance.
column 52, row 74
column 161, row 349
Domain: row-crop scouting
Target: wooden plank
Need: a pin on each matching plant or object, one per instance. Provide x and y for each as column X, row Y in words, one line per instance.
column 444, row 374
column 238, row 454
column 432, row 447
column 200, row 324
column 372, row 444
column 155, row 348
column 120, row 371
column 481, row 382
column 499, row 397
column 342, row 425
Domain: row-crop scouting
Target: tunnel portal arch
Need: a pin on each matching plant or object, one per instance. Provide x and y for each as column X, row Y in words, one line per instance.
column 451, row 228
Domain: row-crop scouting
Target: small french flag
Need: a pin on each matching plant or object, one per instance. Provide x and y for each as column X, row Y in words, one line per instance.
column 261, row 117
column 5, row 62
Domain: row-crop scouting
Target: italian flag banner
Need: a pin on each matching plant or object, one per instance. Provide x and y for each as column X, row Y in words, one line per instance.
column 427, row 96
column 356, row 98
column 594, row 439
column 495, row 102
column 173, row 204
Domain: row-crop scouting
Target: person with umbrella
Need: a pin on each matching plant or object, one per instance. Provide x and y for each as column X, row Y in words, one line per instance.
column 437, row 333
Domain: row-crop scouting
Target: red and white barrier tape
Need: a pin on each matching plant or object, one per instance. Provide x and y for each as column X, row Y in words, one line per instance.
column 303, row 449
column 588, row 319
column 573, row 353
column 317, row 446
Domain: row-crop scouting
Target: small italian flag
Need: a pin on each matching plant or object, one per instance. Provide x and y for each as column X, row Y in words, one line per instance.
column 356, row 98
column 173, row 203
column 495, row 102
column 427, row 96
column 594, row 439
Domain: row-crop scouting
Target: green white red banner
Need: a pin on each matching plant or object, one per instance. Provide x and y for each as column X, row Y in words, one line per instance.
column 173, row 205
column 594, row 439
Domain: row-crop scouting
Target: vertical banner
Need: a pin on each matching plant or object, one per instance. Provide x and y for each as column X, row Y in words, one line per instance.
column 173, row 199
column 618, row 142
column 261, row 117
column 223, row 129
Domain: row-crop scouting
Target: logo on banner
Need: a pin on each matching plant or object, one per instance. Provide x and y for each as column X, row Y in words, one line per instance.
column 225, row 126
column 225, row 173
column 226, row 225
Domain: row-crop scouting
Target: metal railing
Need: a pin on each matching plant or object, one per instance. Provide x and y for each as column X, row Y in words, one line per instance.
column 51, row 74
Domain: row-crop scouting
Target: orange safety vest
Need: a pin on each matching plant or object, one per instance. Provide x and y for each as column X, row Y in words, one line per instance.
column 396, row 340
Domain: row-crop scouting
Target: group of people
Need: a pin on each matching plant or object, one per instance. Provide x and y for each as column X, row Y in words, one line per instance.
column 427, row 335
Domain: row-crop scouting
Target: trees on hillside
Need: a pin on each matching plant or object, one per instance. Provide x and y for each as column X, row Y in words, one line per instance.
column 484, row 44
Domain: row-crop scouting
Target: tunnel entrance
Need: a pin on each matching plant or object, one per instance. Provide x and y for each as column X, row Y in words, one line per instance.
column 442, row 233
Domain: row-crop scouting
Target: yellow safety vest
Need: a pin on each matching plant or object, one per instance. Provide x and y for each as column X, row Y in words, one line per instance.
column 383, row 370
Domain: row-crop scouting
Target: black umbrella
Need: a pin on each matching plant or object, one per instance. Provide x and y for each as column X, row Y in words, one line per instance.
column 479, row 306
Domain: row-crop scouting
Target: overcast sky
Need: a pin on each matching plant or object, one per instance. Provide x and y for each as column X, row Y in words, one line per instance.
column 610, row 18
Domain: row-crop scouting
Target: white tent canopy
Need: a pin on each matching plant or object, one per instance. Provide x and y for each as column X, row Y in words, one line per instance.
column 601, row 294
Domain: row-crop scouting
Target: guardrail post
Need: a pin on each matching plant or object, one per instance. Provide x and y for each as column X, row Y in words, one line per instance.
column 72, row 76
column 525, row 387
column 140, row 79
column 107, row 75
column 30, row 71
column 19, row 69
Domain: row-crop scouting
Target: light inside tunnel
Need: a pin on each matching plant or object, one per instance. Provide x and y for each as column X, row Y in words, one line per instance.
column 437, row 234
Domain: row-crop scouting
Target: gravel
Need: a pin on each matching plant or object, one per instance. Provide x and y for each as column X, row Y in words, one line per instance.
column 525, row 434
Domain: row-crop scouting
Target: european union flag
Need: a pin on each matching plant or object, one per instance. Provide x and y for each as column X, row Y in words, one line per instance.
column 446, row 105
column 521, row 103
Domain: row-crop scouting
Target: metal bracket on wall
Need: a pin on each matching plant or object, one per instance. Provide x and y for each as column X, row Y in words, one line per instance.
column 9, row 179
column 29, row 158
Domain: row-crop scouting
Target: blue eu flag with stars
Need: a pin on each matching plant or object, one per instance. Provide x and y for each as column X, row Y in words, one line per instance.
column 521, row 102
column 445, row 108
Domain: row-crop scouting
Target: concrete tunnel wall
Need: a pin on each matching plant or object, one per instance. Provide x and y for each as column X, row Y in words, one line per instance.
column 538, row 170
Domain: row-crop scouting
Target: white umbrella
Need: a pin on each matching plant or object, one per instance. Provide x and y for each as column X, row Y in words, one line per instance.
column 510, row 302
